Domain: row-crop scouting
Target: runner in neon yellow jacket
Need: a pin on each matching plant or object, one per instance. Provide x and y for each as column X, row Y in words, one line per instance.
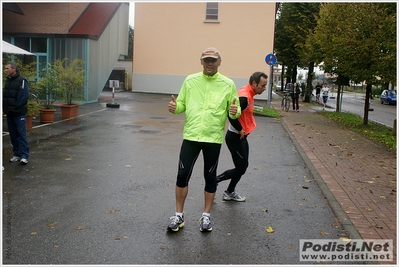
column 206, row 101
column 207, row 98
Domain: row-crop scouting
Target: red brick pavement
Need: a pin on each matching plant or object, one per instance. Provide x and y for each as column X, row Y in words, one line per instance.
column 360, row 173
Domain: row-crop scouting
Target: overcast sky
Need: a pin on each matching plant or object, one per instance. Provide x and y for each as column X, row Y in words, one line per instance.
column 131, row 14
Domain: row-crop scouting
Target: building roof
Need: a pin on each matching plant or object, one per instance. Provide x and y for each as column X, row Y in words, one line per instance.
column 94, row 20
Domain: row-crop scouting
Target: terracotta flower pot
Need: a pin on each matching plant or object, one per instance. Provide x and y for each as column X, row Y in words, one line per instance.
column 29, row 124
column 69, row 111
column 47, row 115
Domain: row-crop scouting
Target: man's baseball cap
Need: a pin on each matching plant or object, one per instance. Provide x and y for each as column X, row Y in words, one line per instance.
column 210, row 52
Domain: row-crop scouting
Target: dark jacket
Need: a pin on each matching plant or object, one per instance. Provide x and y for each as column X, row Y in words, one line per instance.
column 297, row 92
column 15, row 96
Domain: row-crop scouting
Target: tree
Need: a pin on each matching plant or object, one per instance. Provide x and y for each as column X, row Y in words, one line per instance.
column 131, row 42
column 296, row 22
column 358, row 40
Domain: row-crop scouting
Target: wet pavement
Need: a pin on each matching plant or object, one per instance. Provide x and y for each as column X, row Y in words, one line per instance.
column 99, row 189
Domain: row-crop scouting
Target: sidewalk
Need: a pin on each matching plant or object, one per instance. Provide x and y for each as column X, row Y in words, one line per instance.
column 359, row 173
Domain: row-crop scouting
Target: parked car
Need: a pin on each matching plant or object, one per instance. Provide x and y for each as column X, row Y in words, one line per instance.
column 389, row 97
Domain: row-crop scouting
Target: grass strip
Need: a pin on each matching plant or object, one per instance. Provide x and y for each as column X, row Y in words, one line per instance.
column 373, row 131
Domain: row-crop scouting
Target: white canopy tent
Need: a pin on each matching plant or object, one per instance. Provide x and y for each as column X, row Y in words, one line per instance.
column 12, row 49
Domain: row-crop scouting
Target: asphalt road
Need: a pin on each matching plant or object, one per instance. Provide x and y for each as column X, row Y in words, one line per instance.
column 99, row 189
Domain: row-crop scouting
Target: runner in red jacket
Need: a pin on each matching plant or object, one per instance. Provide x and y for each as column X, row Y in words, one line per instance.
column 236, row 135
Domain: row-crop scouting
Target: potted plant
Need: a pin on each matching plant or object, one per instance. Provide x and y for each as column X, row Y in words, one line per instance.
column 33, row 111
column 71, row 77
column 49, row 89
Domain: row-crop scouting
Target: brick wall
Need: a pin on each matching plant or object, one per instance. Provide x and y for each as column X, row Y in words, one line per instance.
column 47, row 18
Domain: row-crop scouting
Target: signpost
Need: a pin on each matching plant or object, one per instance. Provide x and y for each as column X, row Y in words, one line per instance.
column 270, row 60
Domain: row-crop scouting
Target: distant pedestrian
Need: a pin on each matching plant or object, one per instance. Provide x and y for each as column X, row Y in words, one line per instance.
column 15, row 106
column 318, row 89
column 207, row 98
column 325, row 91
column 295, row 92
column 237, row 133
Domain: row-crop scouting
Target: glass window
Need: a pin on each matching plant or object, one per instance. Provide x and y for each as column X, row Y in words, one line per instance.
column 212, row 11
column 39, row 45
column 22, row 42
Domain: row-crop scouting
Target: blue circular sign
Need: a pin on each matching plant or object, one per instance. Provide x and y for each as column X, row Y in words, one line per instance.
column 271, row 59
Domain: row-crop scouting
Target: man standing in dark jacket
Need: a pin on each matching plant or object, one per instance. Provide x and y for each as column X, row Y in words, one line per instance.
column 15, row 106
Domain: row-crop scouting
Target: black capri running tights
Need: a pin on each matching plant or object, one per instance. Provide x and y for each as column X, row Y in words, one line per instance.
column 189, row 153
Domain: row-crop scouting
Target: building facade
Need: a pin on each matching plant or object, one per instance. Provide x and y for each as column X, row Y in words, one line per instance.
column 97, row 33
column 170, row 36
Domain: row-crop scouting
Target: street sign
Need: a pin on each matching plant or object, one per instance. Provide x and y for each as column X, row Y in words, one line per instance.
column 271, row 59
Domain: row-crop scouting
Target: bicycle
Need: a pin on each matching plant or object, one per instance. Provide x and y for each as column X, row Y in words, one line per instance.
column 286, row 101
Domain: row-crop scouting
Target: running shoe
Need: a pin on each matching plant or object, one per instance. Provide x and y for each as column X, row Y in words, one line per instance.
column 176, row 222
column 205, row 224
column 232, row 196
column 15, row 159
column 24, row 161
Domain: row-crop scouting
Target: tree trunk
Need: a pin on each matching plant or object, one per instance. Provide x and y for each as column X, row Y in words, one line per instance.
column 294, row 73
column 308, row 92
column 367, row 104
column 338, row 101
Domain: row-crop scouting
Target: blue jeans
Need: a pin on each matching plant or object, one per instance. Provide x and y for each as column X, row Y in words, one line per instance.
column 18, row 136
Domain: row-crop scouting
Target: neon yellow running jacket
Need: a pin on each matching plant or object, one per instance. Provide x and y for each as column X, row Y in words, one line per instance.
column 206, row 101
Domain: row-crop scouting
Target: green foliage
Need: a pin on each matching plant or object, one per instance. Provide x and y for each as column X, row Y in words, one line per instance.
column 71, row 79
column 60, row 81
column 131, row 43
column 49, row 87
column 33, row 107
column 265, row 111
column 375, row 132
column 358, row 40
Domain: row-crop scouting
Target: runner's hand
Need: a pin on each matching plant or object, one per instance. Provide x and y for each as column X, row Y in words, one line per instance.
column 172, row 104
column 233, row 107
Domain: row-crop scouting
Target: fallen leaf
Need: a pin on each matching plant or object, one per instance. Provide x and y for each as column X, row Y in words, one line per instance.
column 229, row 234
column 82, row 227
column 383, row 197
column 52, row 225
column 269, row 229
column 55, row 246
column 264, row 210
column 33, row 233
column 128, row 166
column 70, row 158
column 305, row 187
column 345, row 239
column 323, row 233
column 113, row 211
